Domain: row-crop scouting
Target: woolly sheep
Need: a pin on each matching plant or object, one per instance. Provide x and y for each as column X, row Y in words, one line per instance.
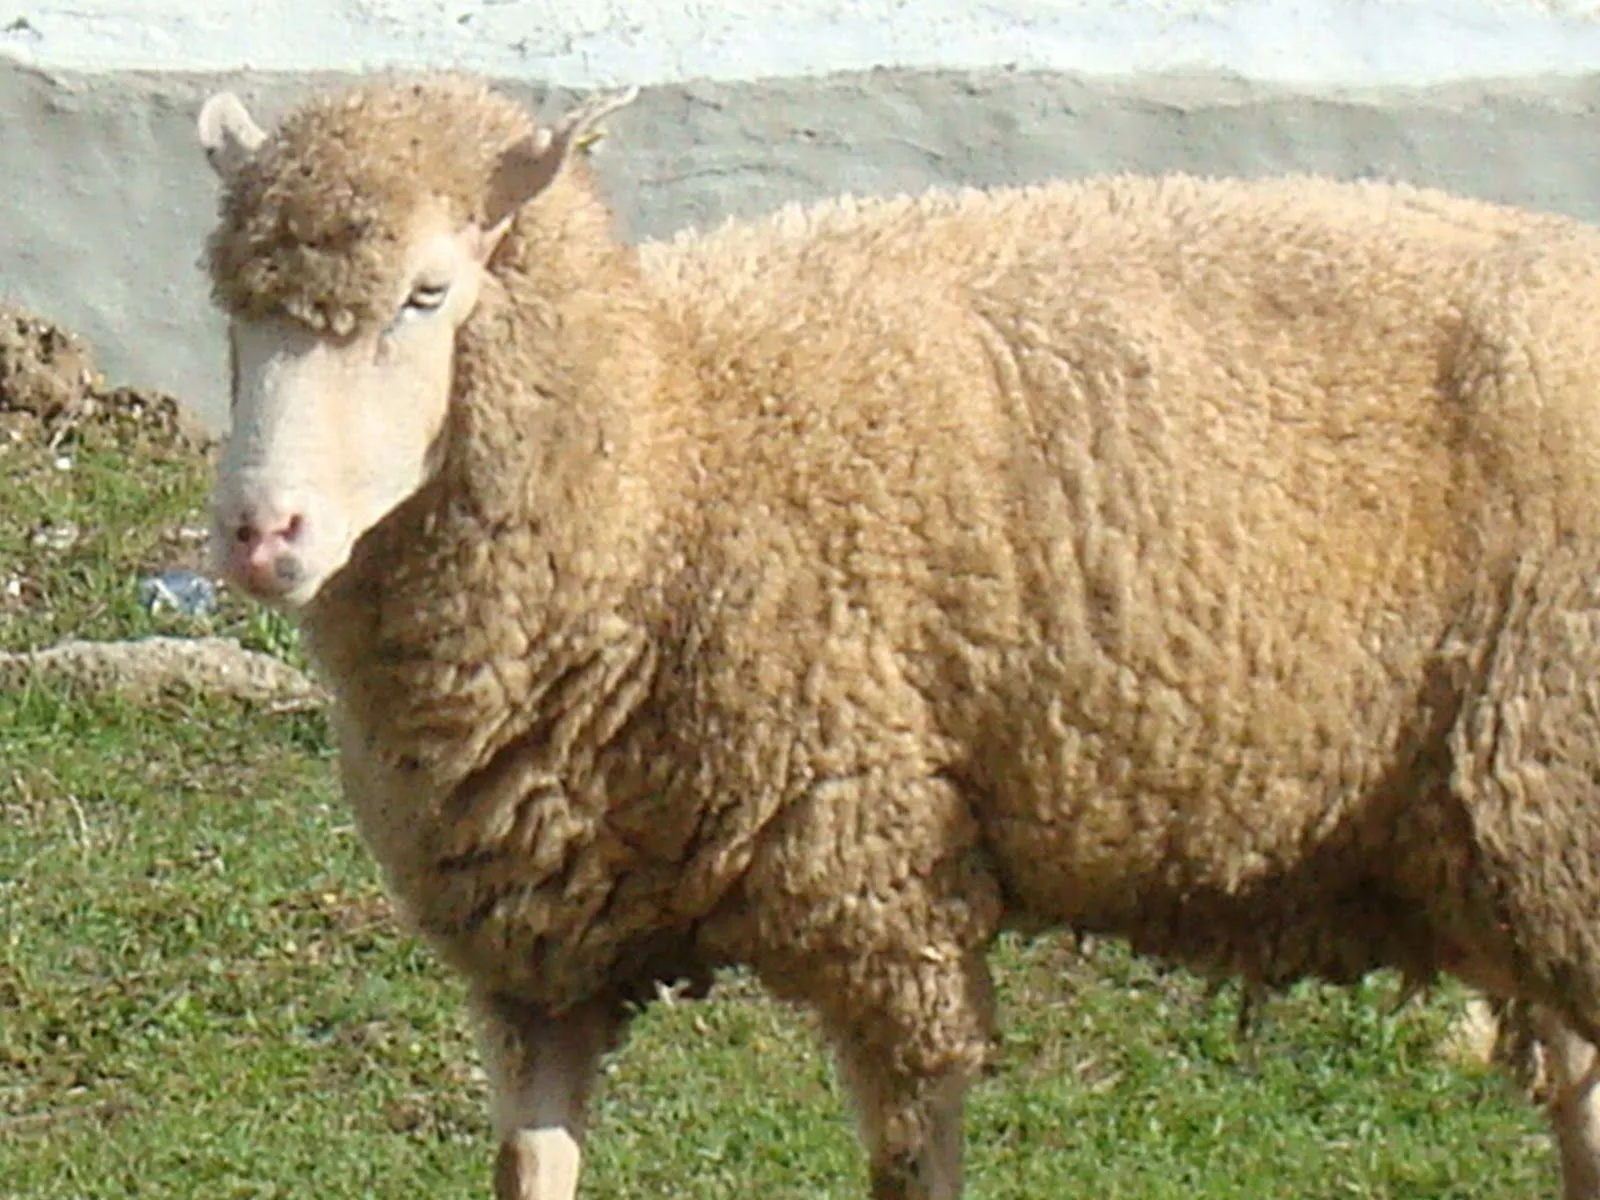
column 1211, row 564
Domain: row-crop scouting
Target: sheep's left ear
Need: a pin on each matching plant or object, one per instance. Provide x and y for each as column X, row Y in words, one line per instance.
column 533, row 164
column 228, row 134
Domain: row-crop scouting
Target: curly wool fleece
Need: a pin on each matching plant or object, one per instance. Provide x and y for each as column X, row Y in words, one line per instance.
column 1208, row 563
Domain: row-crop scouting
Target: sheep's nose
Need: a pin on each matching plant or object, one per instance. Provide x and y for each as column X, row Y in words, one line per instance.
column 263, row 551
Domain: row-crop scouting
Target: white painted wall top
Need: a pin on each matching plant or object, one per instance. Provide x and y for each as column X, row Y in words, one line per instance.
column 583, row 43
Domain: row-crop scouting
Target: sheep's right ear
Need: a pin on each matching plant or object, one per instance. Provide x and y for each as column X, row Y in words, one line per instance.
column 228, row 133
column 528, row 167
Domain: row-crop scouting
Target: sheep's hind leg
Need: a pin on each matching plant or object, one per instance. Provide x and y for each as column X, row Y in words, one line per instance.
column 910, row 1038
column 873, row 905
column 912, row 1129
column 541, row 1070
column 1573, row 1068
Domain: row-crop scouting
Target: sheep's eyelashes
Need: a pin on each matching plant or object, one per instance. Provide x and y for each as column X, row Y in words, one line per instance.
column 426, row 297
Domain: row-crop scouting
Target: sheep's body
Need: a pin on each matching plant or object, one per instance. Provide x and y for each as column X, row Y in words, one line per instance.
column 1207, row 563
column 1064, row 530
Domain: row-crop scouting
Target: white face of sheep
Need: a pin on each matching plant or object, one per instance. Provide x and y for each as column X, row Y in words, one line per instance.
column 330, row 434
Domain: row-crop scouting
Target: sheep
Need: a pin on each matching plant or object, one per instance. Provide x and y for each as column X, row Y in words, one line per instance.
column 1209, row 564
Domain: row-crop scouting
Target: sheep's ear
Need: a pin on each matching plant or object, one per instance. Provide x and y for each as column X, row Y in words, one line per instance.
column 531, row 165
column 228, row 134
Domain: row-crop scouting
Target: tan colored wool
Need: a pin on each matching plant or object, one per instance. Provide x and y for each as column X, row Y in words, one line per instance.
column 1208, row 563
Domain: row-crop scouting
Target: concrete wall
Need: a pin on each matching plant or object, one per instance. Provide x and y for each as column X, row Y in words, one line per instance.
column 104, row 199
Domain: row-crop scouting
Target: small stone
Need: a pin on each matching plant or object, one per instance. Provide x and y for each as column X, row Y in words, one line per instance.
column 56, row 537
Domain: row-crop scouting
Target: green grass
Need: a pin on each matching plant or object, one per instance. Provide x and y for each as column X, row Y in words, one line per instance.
column 202, row 994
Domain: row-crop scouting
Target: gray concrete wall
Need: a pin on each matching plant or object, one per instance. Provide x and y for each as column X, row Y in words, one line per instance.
column 104, row 199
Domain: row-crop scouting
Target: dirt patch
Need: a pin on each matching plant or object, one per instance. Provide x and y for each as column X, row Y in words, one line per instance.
column 49, row 386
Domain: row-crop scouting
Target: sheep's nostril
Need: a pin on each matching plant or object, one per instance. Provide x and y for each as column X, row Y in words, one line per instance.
column 252, row 531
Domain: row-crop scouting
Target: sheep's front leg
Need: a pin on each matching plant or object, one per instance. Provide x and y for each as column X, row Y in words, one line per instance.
column 541, row 1069
column 1573, row 1068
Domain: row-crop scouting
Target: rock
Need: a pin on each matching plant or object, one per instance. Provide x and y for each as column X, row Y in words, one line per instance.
column 150, row 667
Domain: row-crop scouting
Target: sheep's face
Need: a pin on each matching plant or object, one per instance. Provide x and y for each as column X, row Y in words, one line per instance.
column 339, row 409
column 329, row 434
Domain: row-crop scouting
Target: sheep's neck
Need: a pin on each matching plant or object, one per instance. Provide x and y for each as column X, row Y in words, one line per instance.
column 529, row 555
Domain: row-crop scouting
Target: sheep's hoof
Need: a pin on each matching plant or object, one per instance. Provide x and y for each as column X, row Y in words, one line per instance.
column 537, row 1164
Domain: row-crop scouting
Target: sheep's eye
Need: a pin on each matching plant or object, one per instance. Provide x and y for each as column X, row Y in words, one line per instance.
column 426, row 297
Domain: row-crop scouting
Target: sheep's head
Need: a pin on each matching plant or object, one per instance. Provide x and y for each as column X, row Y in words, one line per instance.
column 354, row 243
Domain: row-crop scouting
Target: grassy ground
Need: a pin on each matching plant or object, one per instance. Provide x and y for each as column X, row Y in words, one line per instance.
column 201, row 993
